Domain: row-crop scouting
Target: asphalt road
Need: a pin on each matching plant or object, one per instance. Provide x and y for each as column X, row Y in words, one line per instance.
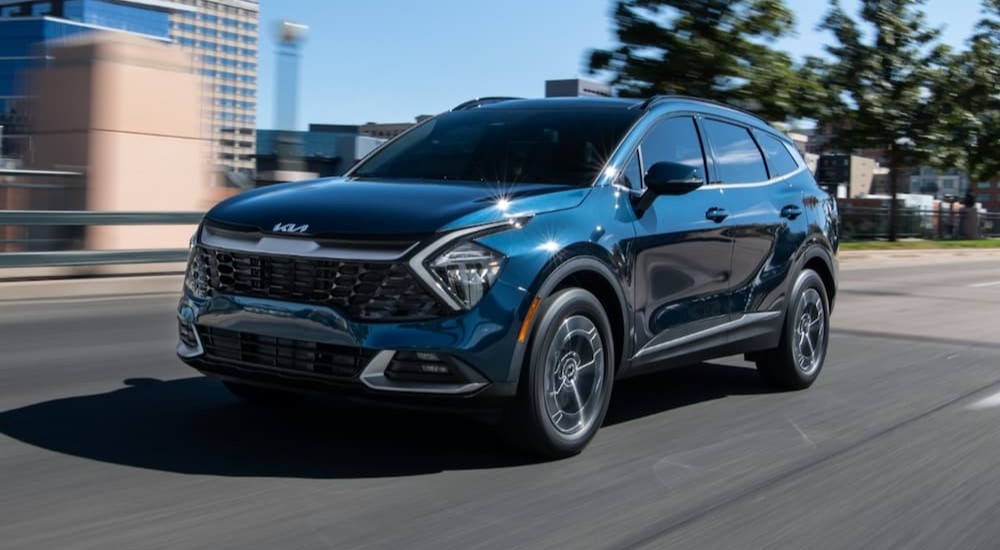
column 107, row 441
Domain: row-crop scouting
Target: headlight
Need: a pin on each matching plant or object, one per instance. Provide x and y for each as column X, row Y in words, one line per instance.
column 467, row 271
column 195, row 277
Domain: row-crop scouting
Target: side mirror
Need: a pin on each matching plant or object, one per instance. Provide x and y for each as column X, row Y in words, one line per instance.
column 668, row 178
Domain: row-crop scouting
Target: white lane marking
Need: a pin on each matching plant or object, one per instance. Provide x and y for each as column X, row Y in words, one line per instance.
column 984, row 285
column 986, row 402
column 802, row 433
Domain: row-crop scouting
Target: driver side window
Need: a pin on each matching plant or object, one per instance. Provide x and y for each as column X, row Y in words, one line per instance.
column 674, row 140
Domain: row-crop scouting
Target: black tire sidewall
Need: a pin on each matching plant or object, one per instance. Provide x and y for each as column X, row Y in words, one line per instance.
column 806, row 280
column 553, row 311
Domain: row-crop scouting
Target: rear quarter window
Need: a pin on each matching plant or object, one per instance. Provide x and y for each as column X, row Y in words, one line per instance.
column 779, row 160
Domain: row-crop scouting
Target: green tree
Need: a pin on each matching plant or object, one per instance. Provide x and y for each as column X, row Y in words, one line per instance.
column 715, row 49
column 966, row 102
column 882, row 70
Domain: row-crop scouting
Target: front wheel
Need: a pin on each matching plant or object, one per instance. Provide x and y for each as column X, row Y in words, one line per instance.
column 796, row 362
column 566, row 384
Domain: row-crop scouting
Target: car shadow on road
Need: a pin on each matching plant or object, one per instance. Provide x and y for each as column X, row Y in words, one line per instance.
column 194, row 426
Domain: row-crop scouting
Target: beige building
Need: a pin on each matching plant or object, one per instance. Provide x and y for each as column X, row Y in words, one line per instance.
column 132, row 125
column 849, row 176
column 223, row 37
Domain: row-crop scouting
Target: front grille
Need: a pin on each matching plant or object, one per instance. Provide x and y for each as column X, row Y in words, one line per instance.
column 187, row 335
column 372, row 291
column 266, row 352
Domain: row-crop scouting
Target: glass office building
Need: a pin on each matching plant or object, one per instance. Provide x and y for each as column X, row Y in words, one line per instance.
column 221, row 35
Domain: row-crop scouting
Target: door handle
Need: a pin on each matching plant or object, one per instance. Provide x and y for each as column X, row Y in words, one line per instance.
column 716, row 214
column 791, row 212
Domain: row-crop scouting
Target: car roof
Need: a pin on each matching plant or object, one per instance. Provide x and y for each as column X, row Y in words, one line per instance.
column 565, row 103
column 654, row 106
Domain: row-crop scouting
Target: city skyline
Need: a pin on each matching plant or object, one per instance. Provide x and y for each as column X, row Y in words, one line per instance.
column 384, row 62
column 220, row 37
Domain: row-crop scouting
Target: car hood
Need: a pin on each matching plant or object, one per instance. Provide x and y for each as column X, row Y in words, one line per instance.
column 342, row 206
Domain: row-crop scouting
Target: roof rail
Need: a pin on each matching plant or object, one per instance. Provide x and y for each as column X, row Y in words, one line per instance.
column 656, row 99
column 482, row 101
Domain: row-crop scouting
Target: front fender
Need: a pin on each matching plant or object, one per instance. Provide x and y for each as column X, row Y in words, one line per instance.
column 550, row 279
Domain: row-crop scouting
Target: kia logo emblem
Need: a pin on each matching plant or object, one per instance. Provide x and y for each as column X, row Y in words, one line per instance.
column 290, row 228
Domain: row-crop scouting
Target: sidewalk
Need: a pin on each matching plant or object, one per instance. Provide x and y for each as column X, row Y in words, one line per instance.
column 927, row 254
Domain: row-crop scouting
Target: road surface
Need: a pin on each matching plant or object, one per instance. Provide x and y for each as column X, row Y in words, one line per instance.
column 107, row 441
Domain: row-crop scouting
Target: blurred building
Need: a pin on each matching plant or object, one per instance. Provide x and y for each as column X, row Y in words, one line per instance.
column 133, row 126
column 384, row 130
column 988, row 193
column 380, row 130
column 28, row 30
column 575, row 87
column 326, row 150
column 846, row 176
column 223, row 36
column 938, row 183
column 880, row 181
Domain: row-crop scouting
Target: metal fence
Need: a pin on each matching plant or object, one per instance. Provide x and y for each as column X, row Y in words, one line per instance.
column 944, row 223
column 36, row 190
column 29, row 218
column 32, row 237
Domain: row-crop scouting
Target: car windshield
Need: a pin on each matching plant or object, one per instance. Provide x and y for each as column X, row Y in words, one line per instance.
column 506, row 145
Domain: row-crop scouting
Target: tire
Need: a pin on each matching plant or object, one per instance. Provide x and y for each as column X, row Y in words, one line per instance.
column 263, row 397
column 797, row 361
column 570, row 356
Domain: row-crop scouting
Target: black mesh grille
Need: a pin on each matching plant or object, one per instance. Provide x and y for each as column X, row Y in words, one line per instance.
column 363, row 290
column 254, row 350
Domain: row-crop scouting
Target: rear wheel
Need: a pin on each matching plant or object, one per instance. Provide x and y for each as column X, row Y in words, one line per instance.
column 796, row 362
column 265, row 397
column 566, row 384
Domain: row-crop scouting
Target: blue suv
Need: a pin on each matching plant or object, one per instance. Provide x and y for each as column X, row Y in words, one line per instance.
column 522, row 255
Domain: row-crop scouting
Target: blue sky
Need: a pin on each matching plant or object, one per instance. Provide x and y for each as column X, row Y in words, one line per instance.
column 390, row 60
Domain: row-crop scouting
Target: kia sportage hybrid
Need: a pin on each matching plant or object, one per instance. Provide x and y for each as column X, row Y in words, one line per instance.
column 522, row 255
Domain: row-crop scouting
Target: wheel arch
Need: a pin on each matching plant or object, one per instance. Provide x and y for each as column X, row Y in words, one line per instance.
column 820, row 260
column 594, row 275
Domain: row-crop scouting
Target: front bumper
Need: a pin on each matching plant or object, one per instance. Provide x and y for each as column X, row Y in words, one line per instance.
column 482, row 343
